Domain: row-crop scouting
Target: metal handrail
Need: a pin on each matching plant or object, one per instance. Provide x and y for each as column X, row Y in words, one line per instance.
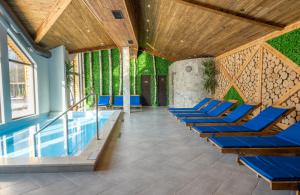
column 66, row 123
column 62, row 114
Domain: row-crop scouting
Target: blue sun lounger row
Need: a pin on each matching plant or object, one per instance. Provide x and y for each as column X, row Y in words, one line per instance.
column 104, row 101
column 196, row 107
column 233, row 117
column 209, row 106
column 256, row 126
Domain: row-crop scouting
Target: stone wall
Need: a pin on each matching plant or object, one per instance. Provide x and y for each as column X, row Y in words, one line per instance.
column 186, row 82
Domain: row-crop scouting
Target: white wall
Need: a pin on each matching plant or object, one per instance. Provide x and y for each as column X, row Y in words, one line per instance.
column 186, row 88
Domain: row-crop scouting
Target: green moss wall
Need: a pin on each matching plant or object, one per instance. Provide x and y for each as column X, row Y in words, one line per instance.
column 288, row 44
column 232, row 94
column 144, row 66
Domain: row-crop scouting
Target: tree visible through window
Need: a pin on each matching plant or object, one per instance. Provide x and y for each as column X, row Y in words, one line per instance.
column 21, row 82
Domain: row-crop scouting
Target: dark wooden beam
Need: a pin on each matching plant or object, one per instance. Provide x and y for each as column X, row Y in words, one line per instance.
column 93, row 49
column 231, row 14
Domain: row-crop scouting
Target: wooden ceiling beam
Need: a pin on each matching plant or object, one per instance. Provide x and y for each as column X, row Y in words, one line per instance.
column 92, row 49
column 230, row 14
column 49, row 21
column 119, row 30
column 158, row 54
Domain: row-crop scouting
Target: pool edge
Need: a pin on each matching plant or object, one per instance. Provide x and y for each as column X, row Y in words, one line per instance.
column 86, row 161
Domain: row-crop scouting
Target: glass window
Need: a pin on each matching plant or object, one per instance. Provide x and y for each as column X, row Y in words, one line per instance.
column 21, row 82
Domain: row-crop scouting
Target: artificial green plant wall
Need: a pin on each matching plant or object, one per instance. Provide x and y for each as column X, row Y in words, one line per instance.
column 144, row 66
column 288, row 44
column 232, row 94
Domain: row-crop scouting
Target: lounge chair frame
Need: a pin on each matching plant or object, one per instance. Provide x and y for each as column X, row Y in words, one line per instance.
column 267, row 131
column 284, row 151
column 276, row 185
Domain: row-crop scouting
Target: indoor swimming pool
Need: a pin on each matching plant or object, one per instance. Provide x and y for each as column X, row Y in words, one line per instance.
column 55, row 140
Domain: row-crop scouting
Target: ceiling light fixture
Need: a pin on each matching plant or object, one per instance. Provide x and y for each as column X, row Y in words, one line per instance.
column 148, row 20
column 148, row 5
column 181, row 41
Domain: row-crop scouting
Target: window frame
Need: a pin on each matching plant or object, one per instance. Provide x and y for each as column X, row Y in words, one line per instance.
column 33, row 73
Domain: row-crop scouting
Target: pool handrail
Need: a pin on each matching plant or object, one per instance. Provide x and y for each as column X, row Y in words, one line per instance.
column 65, row 113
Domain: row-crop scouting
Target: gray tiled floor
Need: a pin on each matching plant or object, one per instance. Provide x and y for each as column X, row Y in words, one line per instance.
column 152, row 154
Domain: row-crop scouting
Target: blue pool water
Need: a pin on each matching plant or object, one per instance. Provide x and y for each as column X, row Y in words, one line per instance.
column 54, row 141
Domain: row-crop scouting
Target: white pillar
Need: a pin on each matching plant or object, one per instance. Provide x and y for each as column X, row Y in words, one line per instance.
column 121, row 78
column 134, row 75
column 126, row 79
column 5, row 101
column 110, row 73
column 100, row 72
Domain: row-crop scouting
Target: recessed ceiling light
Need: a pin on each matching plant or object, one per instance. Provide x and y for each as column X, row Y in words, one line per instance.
column 148, row 5
column 117, row 14
column 181, row 41
column 147, row 30
column 148, row 20
column 88, row 30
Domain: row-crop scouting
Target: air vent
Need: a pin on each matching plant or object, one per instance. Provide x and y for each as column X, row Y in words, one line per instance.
column 130, row 42
column 117, row 14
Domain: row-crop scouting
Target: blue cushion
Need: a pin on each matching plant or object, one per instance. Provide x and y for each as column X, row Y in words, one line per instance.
column 238, row 113
column 198, row 113
column 252, row 142
column 135, row 100
column 221, row 129
column 292, row 133
column 214, row 120
column 220, row 109
column 210, row 105
column 265, row 118
column 103, row 100
column 196, row 107
column 118, row 100
column 275, row 168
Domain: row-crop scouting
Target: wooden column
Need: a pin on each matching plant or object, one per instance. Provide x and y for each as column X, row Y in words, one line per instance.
column 126, row 79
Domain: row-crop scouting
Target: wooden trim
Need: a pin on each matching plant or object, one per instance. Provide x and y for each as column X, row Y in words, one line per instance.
column 260, row 73
column 230, row 14
column 288, row 94
column 93, row 49
column 283, row 58
column 49, row 21
column 244, row 66
column 158, row 54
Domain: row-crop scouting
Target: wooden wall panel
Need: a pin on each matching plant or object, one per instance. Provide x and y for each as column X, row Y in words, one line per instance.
column 267, row 76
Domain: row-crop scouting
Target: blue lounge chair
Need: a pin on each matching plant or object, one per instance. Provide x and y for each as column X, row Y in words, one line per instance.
column 287, row 142
column 104, row 101
column 256, row 126
column 281, row 172
column 233, row 117
column 118, row 101
column 214, row 106
column 135, row 101
column 196, row 107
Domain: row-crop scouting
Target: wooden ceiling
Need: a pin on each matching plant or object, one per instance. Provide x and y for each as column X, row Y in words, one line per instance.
column 175, row 29
column 185, row 29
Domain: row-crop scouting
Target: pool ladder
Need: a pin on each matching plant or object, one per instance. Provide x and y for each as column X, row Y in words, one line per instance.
column 66, row 125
